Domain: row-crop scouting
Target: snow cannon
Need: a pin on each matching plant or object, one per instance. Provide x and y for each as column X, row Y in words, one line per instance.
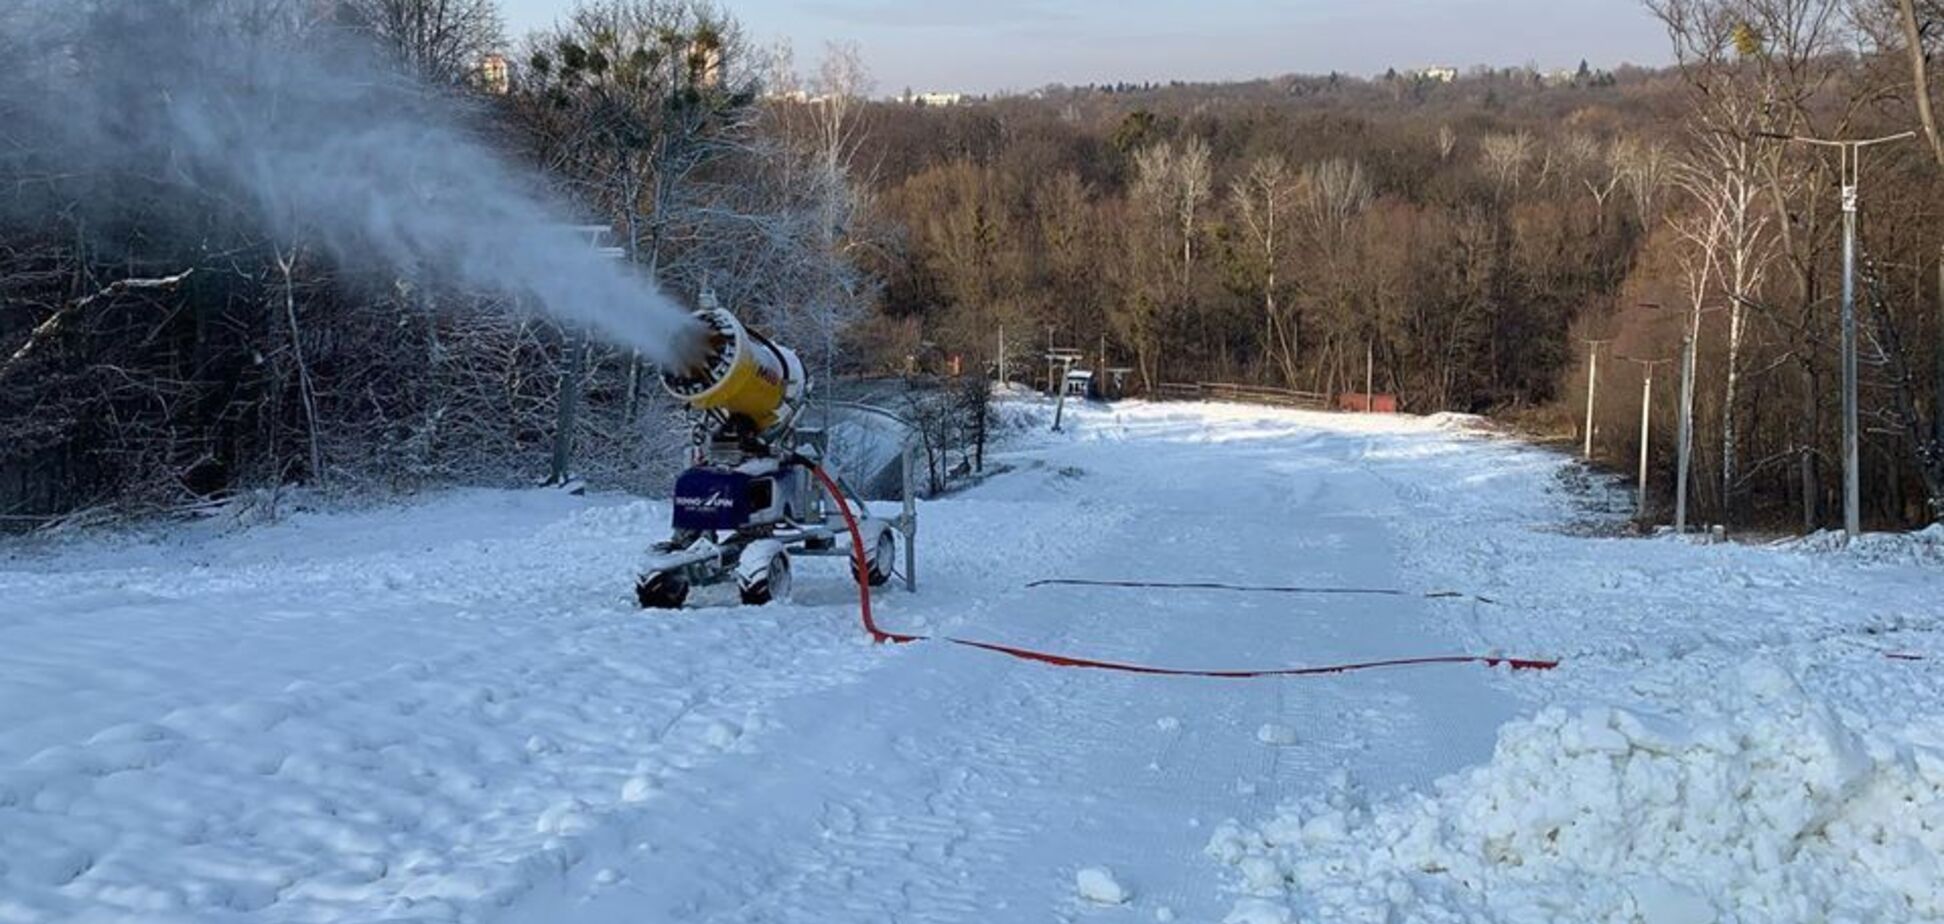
column 751, row 500
column 740, row 374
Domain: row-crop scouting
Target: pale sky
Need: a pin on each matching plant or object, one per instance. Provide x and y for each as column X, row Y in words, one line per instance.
column 988, row 45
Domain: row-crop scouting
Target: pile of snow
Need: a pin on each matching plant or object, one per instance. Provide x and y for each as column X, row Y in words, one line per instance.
column 1923, row 547
column 1016, row 410
column 1765, row 805
column 1098, row 885
column 1455, row 422
column 1276, row 735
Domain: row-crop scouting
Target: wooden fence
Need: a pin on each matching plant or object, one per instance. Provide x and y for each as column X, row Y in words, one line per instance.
column 1243, row 394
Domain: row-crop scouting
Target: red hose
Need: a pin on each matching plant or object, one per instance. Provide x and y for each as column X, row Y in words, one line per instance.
column 863, row 567
column 863, row 571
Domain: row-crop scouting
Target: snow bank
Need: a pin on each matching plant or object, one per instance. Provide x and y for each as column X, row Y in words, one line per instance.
column 1765, row 805
column 1098, row 885
column 1924, row 547
column 1276, row 735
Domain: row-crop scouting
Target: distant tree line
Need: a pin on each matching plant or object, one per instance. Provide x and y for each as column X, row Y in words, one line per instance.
column 1470, row 237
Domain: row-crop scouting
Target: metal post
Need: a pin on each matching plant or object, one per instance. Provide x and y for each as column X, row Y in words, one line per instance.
column 1852, row 490
column 1059, row 402
column 1646, row 431
column 1851, row 161
column 1370, row 375
column 1646, row 407
column 910, row 519
column 569, row 405
column 1592, row 384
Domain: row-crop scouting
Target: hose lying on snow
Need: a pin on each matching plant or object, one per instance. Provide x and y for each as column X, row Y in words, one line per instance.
column 1259, row 588
column 862, row 572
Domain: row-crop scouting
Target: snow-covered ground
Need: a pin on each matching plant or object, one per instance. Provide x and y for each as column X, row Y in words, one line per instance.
column 452, row 711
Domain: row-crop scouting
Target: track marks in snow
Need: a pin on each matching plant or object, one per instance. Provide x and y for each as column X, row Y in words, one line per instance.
column 446, row 788
column 961, row 786
column 540, row 750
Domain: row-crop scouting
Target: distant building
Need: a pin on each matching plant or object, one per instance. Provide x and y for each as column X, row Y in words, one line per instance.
column 1080, row 383
column 938, row 99
column 705, row 60
column 801, row 97
column 494, row 76
column 1438, row 74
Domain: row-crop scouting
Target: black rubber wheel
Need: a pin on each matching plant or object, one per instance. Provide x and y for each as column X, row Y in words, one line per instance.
column 773, row 585
column 883, row 561
column 661, row 591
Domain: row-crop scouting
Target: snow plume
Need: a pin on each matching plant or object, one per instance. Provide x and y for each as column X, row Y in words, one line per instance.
column 1764, row 806
column 289, row 123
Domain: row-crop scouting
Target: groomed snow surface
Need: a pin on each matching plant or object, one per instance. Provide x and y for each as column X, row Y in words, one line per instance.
column 451, row 711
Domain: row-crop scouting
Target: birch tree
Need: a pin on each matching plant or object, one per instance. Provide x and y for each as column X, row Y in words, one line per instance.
column 1171, row 186
column 1264, row 201
column 1506, row 155
column 1335, row 192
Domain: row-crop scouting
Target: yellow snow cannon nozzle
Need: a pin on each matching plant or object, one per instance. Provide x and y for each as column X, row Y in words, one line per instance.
column 739, row 372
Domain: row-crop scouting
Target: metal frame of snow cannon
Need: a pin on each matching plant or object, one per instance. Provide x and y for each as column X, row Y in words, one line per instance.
column 906, row 522
column 748, row 503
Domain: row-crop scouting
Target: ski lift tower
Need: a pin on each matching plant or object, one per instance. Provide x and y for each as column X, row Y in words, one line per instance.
column 1064, row 359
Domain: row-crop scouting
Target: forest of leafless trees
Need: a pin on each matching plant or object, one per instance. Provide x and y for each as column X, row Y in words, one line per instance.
column 1474, row 237
column 1465, row 243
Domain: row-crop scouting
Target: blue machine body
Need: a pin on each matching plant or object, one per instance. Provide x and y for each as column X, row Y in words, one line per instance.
column 711, row 498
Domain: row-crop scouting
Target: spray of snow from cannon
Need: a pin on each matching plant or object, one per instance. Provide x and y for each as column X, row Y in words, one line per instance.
column 299, row 128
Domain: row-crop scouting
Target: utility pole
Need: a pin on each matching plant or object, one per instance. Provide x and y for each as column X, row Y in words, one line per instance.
column 1850, row 157
column 1592, row 383
column 1690, row 360
column 1646, row 434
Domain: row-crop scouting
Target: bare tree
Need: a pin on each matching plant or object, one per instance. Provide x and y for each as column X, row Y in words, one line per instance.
column 1264, row 199
column 1918, row 53
column 1915, row 27
column 1506, row 156
column 441, row 41
column 1700, row 230
column 1722, row 180
column 633, row 101
column 1335, row 192
column 1644, row 170
column 821, row 131
column 1175, row 182
column 1171, row 185
column 1753, row 67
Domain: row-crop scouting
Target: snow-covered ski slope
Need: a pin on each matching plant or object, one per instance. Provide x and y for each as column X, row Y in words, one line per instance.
column 452, row 711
